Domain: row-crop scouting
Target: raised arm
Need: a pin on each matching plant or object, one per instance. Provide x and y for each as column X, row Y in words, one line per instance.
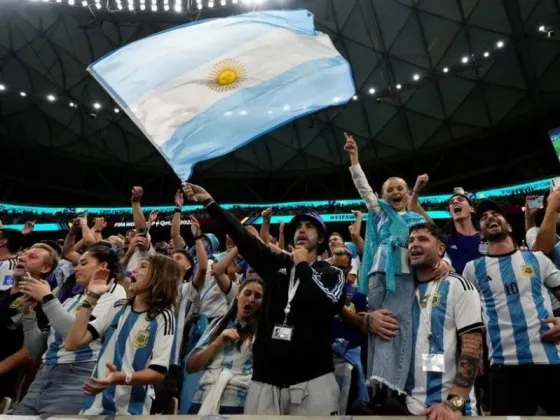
column 265, row 227
column 178, row 241
column 259, row 256
column 414, row 204
column 358, row 175
column 220, row 268
column 202, row 257
column 546, row 238
column 137, row 215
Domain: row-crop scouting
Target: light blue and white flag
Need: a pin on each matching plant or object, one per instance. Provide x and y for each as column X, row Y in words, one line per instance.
column 201, row 90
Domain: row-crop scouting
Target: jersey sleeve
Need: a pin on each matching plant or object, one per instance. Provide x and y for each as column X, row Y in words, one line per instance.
column 469, row 273
column 163, row 344
column 99, row 326
column 550, row 274
column 107, row 301
column 467, row 309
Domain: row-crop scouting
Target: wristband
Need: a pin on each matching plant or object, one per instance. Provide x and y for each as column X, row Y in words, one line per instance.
column 197, row 237
column 87, row 305
column 178, row 210
column 93, row 295
column 207, row 202
column 128, row 378
column 47, row 298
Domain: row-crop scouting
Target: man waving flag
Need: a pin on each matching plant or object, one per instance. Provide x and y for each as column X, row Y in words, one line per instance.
column 201, row 90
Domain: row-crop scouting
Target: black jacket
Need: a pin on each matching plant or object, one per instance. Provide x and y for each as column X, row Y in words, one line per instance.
column 319, row 297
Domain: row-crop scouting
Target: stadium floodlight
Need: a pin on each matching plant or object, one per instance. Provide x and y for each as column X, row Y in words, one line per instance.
column 98, row 4
column 416, row 77
column 371, row 91
column 23, row 94
column 177, row 6
column 72, row 105
column 154, row 6
column 210, row 4
column 500, row 44
column 2, row 88
column 355, row 97
column 71, row 2
column 130, row 5
column 465, row 59
column 445, row 69
column 486, row 54
column 542, row 28
column 119, row 5
column 399, row 86
column 116, row 110
column 51, row 98
column 97, row 105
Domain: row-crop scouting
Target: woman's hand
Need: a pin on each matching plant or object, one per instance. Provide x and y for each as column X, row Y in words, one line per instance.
column 35, row 289
column 228, row 335
column 99, row 283
column 97, row 385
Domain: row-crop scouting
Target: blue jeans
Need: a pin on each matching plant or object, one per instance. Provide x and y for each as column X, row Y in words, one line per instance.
column 389, row 361
column 56, row 390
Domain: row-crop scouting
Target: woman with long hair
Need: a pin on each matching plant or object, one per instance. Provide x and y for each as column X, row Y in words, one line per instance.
column 57, row 386
column 225, row 354
column 137, row 339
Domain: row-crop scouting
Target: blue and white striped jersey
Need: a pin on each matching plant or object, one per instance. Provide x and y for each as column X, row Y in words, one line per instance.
column 238, row 362
column 132, row 342
column 187, row 297
column 456, row 310
column 56, row 354
column 514, row 292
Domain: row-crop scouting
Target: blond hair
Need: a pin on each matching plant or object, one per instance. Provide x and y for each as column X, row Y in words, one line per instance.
column 52, row 259
column 393, row 178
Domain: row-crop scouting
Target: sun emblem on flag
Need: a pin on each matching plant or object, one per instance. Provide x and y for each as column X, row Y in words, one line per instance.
column 226, row 75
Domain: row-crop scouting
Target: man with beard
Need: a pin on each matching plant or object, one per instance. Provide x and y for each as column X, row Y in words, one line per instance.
column 292, row 353
column 522, row 334
column 464, row 243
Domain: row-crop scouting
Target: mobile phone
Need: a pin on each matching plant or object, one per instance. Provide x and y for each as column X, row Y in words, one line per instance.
column 555, row 182
column 142, row 232
column 536, row 203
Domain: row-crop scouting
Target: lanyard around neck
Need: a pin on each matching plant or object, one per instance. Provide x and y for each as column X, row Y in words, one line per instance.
column 292, row 289
column 427, row 312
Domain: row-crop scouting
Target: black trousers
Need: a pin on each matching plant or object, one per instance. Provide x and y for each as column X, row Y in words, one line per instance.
column 520, row 390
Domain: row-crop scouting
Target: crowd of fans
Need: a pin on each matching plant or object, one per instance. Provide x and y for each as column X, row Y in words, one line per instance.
column 402, row 319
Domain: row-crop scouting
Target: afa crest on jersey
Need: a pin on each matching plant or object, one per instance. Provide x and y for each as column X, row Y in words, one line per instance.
column 141, row 338
column 435, row 300
column 528, row 270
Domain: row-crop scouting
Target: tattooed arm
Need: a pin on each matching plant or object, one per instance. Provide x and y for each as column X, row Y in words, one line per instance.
column 469, row 359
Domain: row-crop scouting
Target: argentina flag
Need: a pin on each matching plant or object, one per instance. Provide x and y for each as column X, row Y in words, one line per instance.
column 204, row 89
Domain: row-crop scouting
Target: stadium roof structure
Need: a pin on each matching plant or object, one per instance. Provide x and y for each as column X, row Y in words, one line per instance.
column 462, row 89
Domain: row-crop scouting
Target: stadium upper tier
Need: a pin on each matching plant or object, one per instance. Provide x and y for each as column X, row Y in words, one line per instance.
column 13, row 215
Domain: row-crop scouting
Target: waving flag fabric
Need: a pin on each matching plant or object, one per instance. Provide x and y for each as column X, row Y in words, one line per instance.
column 201, row 90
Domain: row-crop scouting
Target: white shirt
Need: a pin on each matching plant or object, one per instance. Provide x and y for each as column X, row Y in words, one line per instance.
column 6, row 278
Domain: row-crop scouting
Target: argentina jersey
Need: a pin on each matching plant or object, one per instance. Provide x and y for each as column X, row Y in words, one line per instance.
column 455, row 311
column 56, row 354
column 131, row 342
column 514, row 292
column 187, row 296
column 238, row 362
